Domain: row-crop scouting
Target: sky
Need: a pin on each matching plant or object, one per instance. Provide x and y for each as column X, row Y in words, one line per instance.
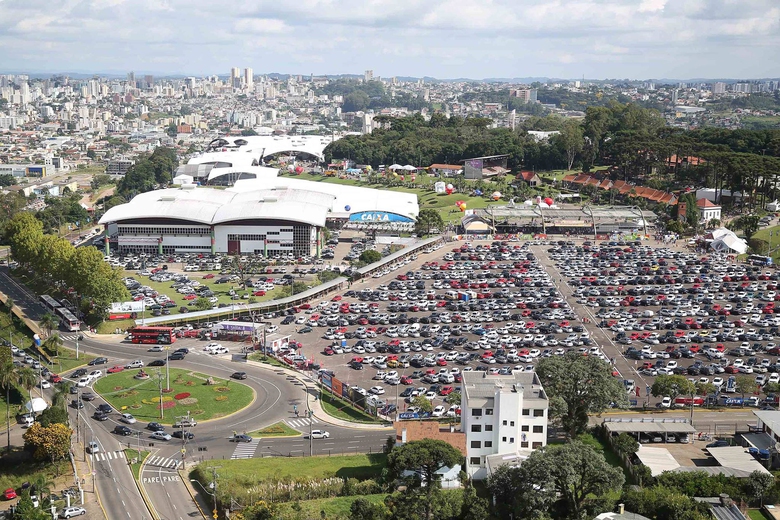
column 595, row 39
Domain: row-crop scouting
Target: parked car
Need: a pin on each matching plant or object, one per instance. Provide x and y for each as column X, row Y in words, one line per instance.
column 320, row 434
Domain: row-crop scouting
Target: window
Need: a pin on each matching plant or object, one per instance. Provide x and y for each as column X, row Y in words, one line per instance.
column 524, row 428
column 488, row 411
column 538, row 429
column 488, row 444
column 474, row 461
column 523, row 444
column 511, row 423
column 526, row 411
column 538, row 413
column 488, row 427
column 476, row 444
column 536, row 445
column 503, row 439
column 511, row 440
column 504, row 423
column 476, row 412
column 476, row 428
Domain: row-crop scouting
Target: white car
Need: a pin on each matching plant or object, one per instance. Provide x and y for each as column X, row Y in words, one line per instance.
column 161, row 436
column 70, row 512
column 666, row 402
column 44, row 384
column 212, row 346
column 156, row 348
column 320, row 434
column 135, row 364
column 272, row 329
column 93, row 447
column 438, row 411
column 96, row 374
column 83, row 382
column 376, row 390
column 127, row 418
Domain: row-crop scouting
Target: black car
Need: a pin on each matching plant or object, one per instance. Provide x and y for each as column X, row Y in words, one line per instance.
column 100, row 416
column 105, row 408
column 178, row 434
column 176, row 356
column 120, row 429
column 356, row 365
column 88, row 396
column 182, row 350
column 238, row 375
column 75, row 403
column 81, row 372
column 288, row 319
column 157, row 363
column 718, row 444
column 97, row 361
column 155, row 427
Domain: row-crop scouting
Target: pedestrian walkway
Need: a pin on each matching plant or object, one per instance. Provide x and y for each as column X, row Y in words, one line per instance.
column 69, row 337
column 245, row 450
column 107, row 455
column 301, row 423
column 163, row 462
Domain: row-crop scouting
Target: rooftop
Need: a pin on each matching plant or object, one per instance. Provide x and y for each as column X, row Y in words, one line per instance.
column 481, row 385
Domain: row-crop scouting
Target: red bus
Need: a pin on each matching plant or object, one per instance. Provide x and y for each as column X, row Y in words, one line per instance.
column 154, row 335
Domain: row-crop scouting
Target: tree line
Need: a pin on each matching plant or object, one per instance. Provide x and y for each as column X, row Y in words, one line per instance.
column 54, row 262
column 147, row 173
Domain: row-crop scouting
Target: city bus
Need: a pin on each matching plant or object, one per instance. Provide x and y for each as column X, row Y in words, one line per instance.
column 759, row 260
column 154, row 335
column 50, row 303
column 69, row 322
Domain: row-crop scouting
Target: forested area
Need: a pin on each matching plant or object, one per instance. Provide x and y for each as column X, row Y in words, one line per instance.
column 148, row 172
column 363, row 95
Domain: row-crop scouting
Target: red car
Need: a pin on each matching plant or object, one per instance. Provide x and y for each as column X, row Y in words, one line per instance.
column 328, row 351
column 190, row 296
column 114, row 370
column 9, row 494
column 258, row 293
column 55, row 378
column 336, row 298
column 406, row 380
column 447, row 390
column 208, row 276
column 441, row 362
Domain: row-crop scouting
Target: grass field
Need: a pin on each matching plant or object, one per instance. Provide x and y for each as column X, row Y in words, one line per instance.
column 67, row 361
column 361, row 467
column 773, row 241
column 136, row 468
column 337, row 507
column 757, row 514
column 141, row 397
column 279, row 429
column 19, row 468
column 341, row 410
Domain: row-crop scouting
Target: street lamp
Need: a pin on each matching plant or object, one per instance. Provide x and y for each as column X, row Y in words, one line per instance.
column 309, row 413
column 167, row 370
column 212, row 485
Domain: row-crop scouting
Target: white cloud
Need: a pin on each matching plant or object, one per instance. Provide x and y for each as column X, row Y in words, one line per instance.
column 442, row 38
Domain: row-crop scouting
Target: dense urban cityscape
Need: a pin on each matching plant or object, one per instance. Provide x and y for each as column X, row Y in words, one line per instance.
column 233, row 293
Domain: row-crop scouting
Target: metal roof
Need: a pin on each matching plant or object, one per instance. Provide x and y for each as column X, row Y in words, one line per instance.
column 657, row 459
column 648, row 425
column 585, row 213
column 737, row 457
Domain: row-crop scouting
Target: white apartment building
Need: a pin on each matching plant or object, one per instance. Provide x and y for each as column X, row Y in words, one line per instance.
column 501, row 415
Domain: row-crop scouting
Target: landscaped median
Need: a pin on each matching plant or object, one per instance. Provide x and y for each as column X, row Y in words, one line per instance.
column 189, row 393
column 279, row 429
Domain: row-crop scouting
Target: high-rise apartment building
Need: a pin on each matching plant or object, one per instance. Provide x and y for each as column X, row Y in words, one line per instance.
column 719, row 88
column 369, row 75
column 249, row 78
column 528, row 95
column 501, row 415
column 235, row 77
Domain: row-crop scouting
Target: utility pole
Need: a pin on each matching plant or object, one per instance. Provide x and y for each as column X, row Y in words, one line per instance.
column 77, row 345
column 159, row 384
column 310, row 414
column 214, row 484
column 167, row 370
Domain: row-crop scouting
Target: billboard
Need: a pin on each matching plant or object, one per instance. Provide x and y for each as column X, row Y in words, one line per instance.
column 36, row 171
column 472, row 169
column 127, row 306
column 378, row 216
column 336, row 387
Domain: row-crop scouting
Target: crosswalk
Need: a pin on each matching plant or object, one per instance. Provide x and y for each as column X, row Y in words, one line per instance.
column 163, row 462
column 245, row 450
column 107, row 455
column 69, row 337
column 301, row 423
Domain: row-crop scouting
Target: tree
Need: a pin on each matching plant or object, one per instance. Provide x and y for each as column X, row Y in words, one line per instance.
column 24, row 232
column 453, row 398
column 758, row 484
column 576, row 471
column 50, row 443
column 577, row 386
column 423, row 457
column 6, row 179
column 369, row 256
column 517, row 492
column 48, row 322
column 672, row 386
column 427, row 221
column 172, row 130
column 52, row 344
column 474, row 507
column 7, row 378
column 423, row 403
column 362, row 509
column 25, row 509
column 42, row 486
column 745, row 384
column 27, row 379
column 355, row 101
column 203, row 304
column 53, row 415
column 625, row 445
column 748, row 224
column 571, row 139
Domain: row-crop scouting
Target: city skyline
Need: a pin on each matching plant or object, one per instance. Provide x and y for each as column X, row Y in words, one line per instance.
column 449, row 39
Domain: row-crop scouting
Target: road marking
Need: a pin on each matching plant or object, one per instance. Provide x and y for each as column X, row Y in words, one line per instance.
column 161, row 479
column 245, row 450
column 301, row 423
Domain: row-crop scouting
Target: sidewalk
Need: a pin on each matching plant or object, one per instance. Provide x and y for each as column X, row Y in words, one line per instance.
column 92, row 502
column 315, row 405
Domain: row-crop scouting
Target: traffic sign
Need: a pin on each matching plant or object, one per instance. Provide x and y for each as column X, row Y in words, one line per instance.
column 215, row 513
column 94, row 472
column 183, row 451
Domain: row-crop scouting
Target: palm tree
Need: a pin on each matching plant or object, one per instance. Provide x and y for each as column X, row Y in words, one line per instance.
column 27, row 378
column 7, row 378
column 53, row 344
column 9, row 302
column 49, row 322
column 42, row 486
column 60, row 397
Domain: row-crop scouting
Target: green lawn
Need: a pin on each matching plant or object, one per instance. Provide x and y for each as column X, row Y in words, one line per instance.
column 19, row 468
column 361, row 467
column 279, row 429
column 341, row 410
column 337, row 507
column 269, row 360
column 136, row 468
column 141, row 397
column 757, row 514
column 67, row 361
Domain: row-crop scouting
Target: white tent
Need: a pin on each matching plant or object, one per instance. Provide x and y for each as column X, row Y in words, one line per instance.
column 409, row 168
column 729, row 243
column 395, row 167
column 183, row 179
column 36, row 405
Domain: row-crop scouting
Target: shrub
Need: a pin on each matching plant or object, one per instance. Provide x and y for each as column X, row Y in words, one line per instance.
column 188, row 401
column 221, row 398
column 182, row 395
column 167, row 405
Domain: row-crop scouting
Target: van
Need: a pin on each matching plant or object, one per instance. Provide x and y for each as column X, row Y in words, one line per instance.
column 26, row 420
column 648, row 314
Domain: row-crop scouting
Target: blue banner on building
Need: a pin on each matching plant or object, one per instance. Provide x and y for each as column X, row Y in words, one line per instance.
column 378, row 216
column 327, row 380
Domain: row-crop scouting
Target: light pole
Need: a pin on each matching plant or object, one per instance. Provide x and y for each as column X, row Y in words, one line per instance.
column 167, row 370
column 213, row 486
column 309, row 413
column 159, row 384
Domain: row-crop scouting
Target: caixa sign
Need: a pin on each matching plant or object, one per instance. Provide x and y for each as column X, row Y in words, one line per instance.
column 378, row 216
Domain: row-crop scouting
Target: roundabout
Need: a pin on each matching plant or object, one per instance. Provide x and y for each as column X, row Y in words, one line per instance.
column 190, row 393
